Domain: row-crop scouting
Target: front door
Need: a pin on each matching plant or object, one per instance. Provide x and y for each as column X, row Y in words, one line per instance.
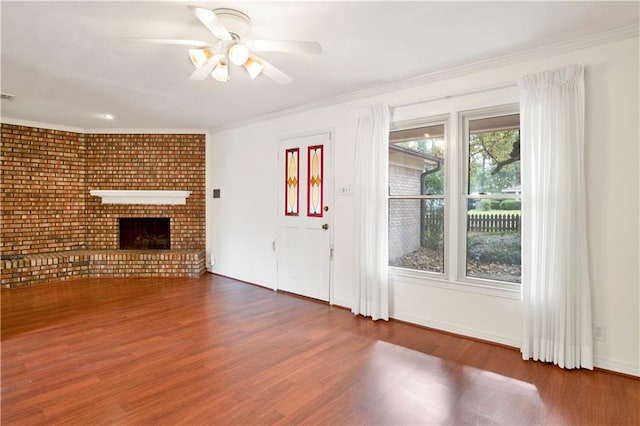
column 304, row 242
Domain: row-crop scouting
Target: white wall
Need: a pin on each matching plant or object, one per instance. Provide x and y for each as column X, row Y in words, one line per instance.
column 241, row 226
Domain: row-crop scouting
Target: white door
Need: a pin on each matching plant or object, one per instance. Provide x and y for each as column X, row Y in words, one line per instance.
column 304, row 243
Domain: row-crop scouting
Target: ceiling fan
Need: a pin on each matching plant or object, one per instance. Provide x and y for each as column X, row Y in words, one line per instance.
column 229, row 27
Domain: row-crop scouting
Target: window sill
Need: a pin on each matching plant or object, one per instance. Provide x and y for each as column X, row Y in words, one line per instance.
column 430, row 279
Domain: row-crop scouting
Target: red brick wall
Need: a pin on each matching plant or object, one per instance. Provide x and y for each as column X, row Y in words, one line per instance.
column 45, row 205
column 42, row 201
column 146, row 162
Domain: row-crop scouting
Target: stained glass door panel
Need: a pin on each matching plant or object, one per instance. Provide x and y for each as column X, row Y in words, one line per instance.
column 315, row 186
column 292, row 182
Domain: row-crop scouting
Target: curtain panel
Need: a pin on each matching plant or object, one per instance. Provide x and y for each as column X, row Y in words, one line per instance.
column 371, row 288
column 555, row 277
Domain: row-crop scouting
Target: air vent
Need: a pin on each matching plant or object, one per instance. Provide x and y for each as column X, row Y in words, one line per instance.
column 6, row 97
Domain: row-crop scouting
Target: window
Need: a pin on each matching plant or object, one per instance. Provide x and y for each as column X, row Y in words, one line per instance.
column 417, row 198
column 492, row 197
column 475, row 239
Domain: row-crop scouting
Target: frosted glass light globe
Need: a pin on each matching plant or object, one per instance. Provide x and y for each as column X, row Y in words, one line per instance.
column 238, row 54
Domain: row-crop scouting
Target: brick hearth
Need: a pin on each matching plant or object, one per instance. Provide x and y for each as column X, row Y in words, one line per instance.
column 41, row 268
column 61, row 231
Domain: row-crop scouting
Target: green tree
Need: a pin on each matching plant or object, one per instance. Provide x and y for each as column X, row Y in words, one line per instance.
column 494, row 161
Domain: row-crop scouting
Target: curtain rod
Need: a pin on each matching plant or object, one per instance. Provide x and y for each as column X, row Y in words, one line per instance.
column 455, row 95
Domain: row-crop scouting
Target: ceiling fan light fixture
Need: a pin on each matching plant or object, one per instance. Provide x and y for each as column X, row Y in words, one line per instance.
column 237, row 23
column 238, row 54
column 253, row 67
column 221, row 72
column 200, row 56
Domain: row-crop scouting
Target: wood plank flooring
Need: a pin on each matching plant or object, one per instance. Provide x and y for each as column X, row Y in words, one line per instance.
column 212, row 350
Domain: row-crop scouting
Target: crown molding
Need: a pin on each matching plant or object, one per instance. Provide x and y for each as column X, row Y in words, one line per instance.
column 606, row 37
column 592, row 40
column 103, row 131
column 40, row 125
column 49, row 126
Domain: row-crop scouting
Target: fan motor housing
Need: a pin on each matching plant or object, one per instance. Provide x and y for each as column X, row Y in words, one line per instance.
column 237, row 23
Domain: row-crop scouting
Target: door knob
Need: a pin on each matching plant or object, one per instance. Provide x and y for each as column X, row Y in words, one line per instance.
column 325, row 226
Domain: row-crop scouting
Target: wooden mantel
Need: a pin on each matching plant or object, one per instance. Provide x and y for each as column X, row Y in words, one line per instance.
column 141, row 197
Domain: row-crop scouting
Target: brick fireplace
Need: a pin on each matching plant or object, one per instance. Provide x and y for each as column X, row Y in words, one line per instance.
column 144, row 233
column 54, row 229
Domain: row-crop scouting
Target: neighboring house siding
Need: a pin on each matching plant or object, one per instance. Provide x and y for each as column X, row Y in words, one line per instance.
column 404, row 215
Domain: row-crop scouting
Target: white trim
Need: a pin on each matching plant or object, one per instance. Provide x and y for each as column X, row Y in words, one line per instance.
column 610, row 36
column 454, row 276
column 208, row 202
column 463, row 174
column 432, row 120
column 435, row 120
column 606, row 364
column 331, row 202
column 50, row 126
column 463, row 331
column 141, row 197
column 620, row 367
column 40, row 125
column 434, row 279
column 513, row 196
column 453, row 179
column 457, row 94
column 340, row 303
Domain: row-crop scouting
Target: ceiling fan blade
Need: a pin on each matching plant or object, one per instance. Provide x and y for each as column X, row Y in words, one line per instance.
column 274, row 73
column 288, row 46
column 194, row 43
column 205, row 70
column 211, row 21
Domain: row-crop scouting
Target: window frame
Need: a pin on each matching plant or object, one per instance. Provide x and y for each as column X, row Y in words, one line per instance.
column 463, row 194
column 455, row 196
column 435, row 120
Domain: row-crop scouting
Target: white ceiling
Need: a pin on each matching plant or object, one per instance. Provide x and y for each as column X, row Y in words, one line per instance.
column 65, row 62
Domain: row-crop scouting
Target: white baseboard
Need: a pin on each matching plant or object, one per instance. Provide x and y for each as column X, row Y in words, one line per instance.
column 451, row 328
column 605, row 364
column 342, row 303
column 619, row 367
column 239, row 277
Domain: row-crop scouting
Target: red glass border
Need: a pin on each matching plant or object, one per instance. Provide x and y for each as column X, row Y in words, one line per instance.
column 320, row 148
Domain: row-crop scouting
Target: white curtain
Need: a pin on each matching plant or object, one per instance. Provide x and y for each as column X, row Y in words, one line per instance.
column 555, row 275
column 371, row 286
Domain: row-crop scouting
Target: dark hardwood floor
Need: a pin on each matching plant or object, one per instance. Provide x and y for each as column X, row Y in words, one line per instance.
column 212, row 350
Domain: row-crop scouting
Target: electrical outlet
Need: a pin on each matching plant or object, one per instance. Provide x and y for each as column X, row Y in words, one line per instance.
column 598, row 332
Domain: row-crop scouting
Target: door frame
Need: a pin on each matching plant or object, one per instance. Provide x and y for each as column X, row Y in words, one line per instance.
column 329, row 177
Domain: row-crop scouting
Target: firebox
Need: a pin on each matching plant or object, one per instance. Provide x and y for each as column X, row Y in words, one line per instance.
column 145, row 233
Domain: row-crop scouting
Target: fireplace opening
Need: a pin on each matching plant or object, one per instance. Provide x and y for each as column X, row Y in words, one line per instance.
column 145, row 233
